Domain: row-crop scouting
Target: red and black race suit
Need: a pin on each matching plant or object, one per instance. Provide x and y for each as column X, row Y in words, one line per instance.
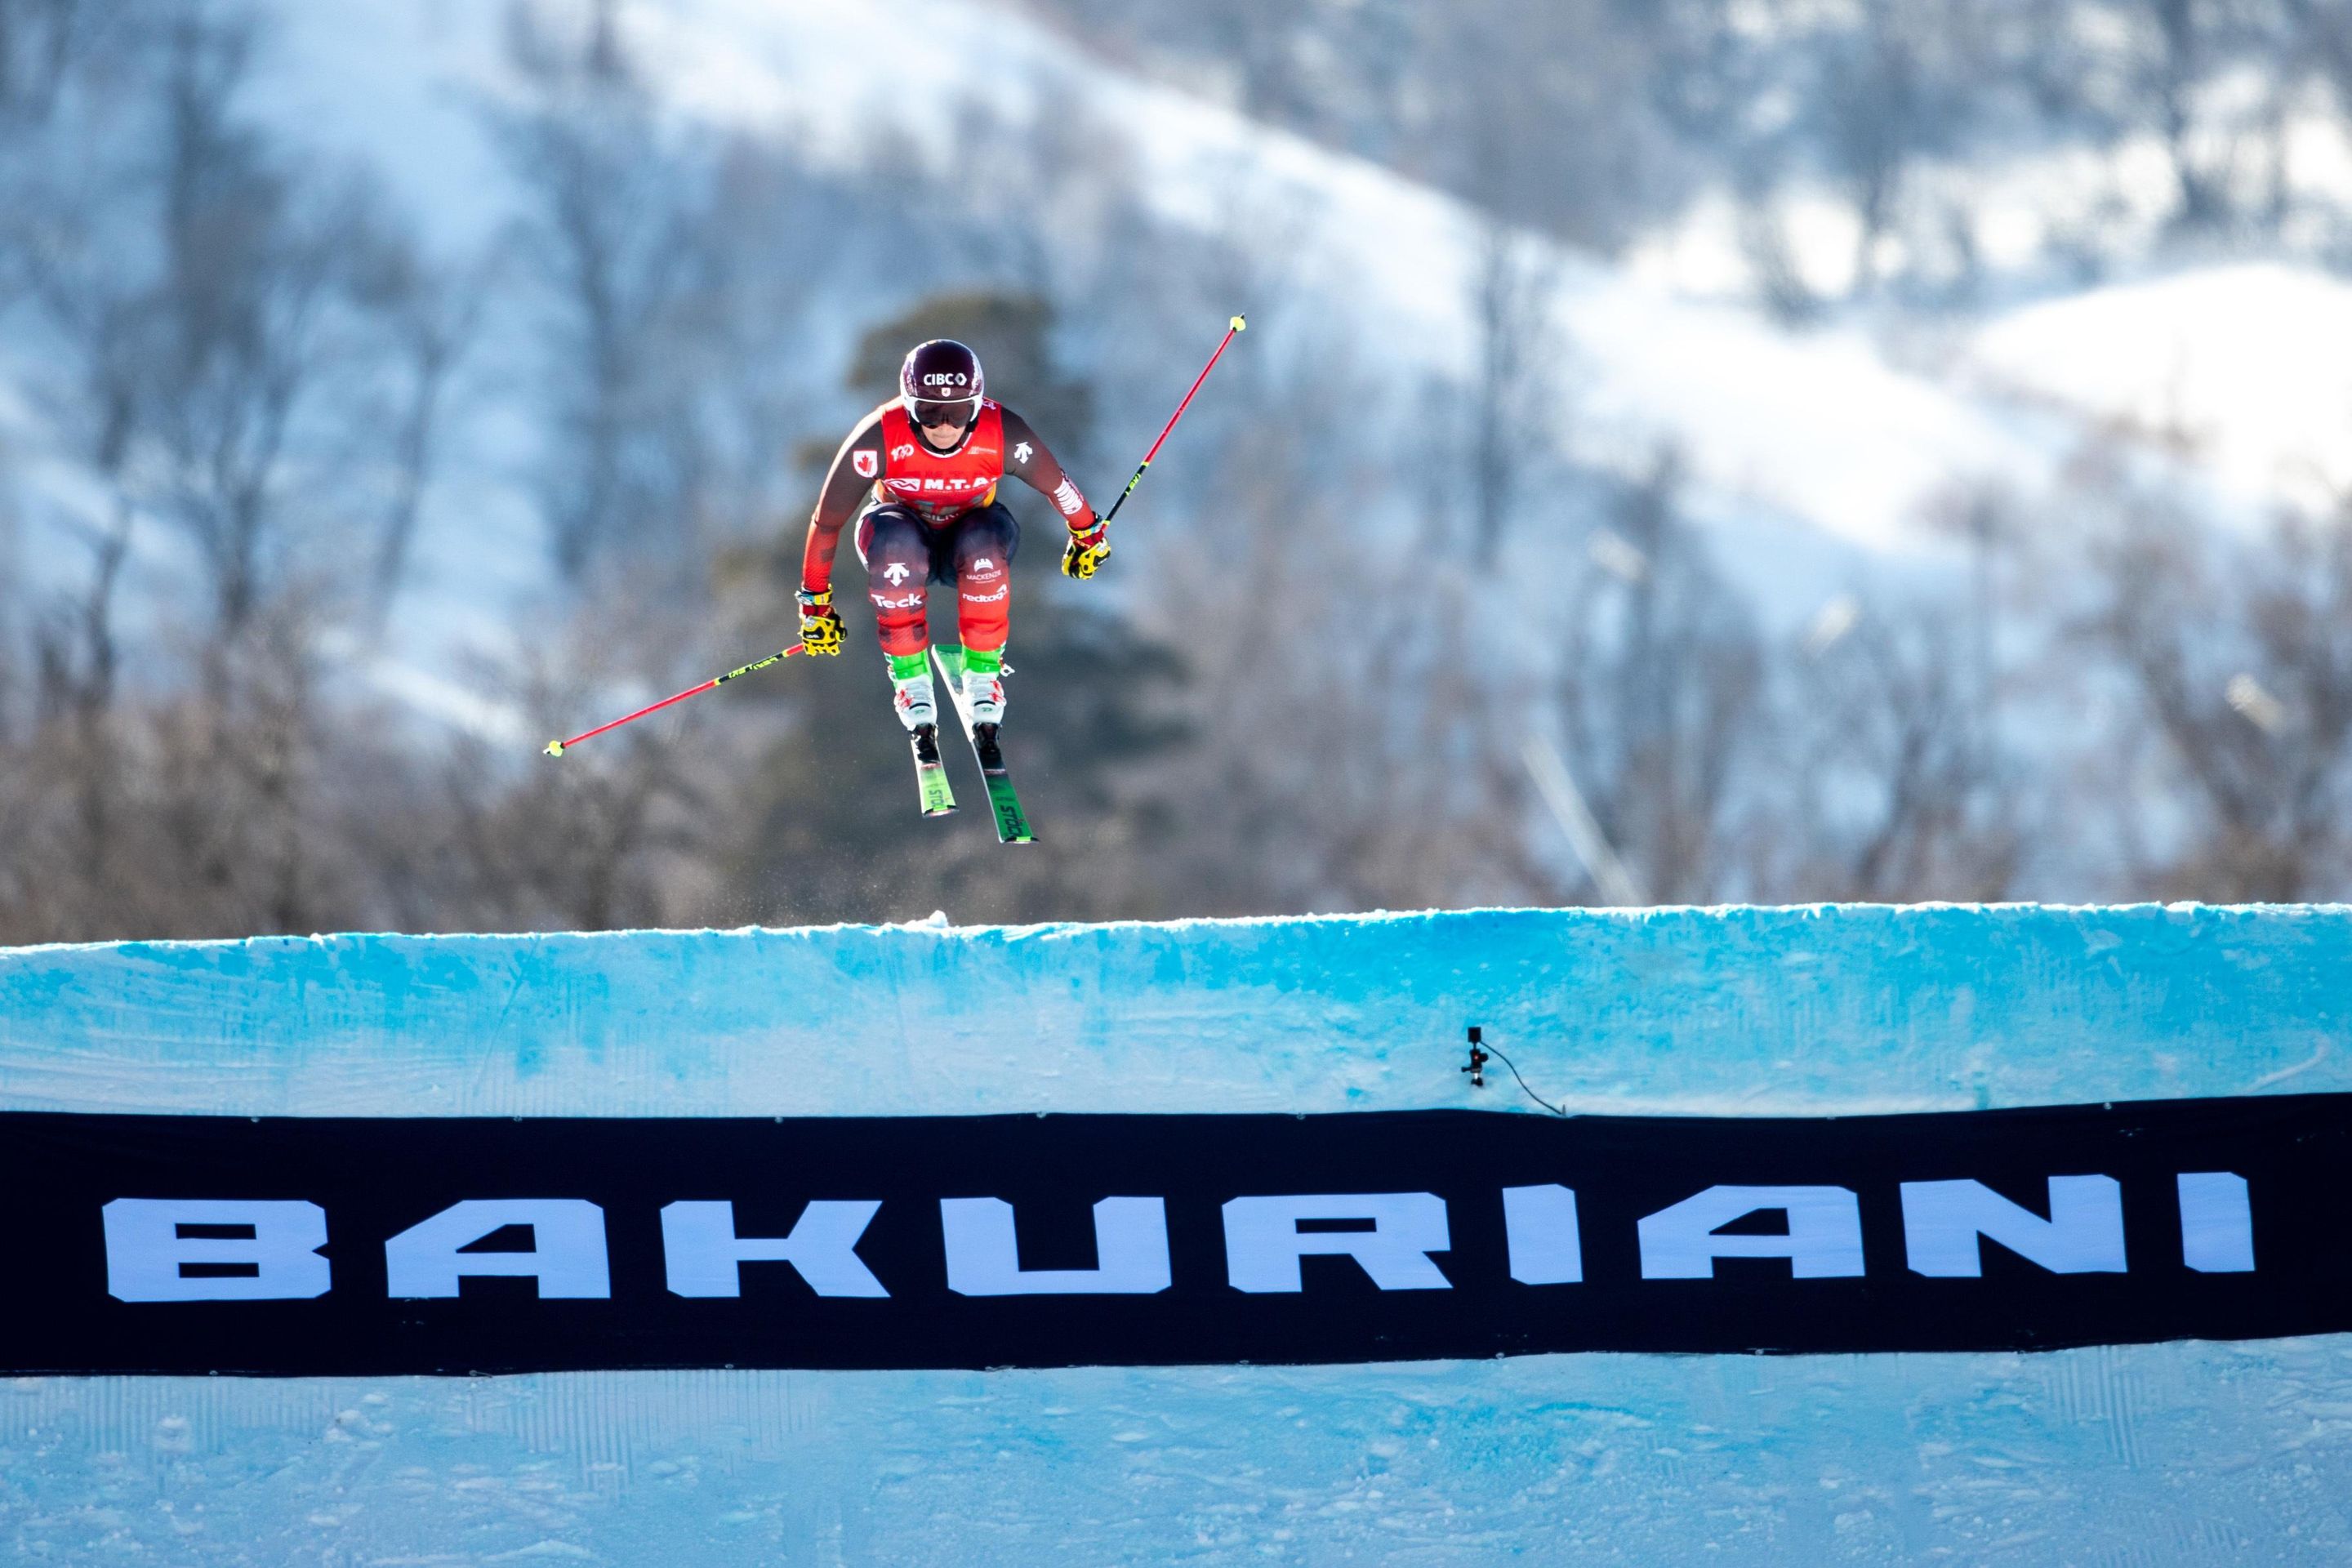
column 940, row 486
column 914, row 502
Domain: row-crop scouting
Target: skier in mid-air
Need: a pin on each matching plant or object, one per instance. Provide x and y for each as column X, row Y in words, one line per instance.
column 919, row 475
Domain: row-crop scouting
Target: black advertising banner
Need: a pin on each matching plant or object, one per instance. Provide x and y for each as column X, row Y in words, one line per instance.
column 298, row 1246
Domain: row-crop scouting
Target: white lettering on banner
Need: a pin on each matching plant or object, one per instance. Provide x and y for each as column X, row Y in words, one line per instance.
column 566, row 1256
column 1067, row 497
column 2083, row 1235
column 988, row 598
column 906, row 602
column 944, row 378
column 703, row 1256
column 1539, row 1222
column 1264, row 1243
column 276, row 1254
column 984, row 1254
column 1824, row 1240
column 2216, row 1223
column 146, row 1254
column 904, row 449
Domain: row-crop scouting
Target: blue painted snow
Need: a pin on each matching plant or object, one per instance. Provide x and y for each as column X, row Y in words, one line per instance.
column 2165, row 1452
column 1828, row 1008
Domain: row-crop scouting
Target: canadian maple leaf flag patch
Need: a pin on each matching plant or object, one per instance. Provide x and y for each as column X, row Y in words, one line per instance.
column 867, row 464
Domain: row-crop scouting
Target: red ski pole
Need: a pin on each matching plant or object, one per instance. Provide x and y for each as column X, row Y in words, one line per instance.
column 1240, row 323
column 557, row 748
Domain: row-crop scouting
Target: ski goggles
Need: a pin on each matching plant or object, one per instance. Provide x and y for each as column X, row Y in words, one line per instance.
column 934, row 412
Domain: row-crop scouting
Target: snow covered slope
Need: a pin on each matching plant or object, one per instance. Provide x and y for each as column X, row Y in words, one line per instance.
column 2175, row 1453
column 1815, row 432
column 2246, row 368
column 1811, row 452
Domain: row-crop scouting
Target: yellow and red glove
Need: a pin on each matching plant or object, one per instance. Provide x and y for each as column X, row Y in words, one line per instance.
column 1088, row 547
column 820, row 622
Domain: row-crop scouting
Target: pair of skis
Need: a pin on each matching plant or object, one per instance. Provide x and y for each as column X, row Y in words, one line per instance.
column 930, row 769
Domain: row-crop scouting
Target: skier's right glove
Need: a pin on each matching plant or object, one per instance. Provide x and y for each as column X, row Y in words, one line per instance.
column 820, row 622
column 1085, row 550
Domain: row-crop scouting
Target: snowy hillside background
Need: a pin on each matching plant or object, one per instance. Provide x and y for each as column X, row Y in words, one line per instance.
column 1875, row 451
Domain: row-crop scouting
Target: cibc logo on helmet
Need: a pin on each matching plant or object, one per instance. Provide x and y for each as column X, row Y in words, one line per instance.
column 941, row 368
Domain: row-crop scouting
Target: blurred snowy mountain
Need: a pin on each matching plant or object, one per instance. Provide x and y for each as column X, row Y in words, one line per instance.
column 1802, row 444
column 1733, row 487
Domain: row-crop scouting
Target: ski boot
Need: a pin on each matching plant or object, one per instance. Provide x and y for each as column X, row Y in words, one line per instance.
column 984, row 704
column 911, row 693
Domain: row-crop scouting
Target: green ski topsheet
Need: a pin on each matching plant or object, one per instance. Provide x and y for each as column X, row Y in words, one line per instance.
column 1011, row 822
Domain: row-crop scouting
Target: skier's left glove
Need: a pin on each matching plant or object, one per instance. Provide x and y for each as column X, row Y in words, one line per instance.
column 820, row 622
column 1088, row 548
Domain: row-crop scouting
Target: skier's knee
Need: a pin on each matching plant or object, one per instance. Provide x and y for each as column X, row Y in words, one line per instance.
column 983, row 551
column 981, row 568
column 896, row 567
column 886, row 537
column 1005, row 529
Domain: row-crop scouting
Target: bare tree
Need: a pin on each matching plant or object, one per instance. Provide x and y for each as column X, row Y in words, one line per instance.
column 430, row 317
column 2179, row 52
column 2318, row 37
column 1763, row 239
column 1875, row 119
column 1510, row 417
column 2241, row 656
column 1898, row 795
column 200, row 332
column 616, row 834
column 199, row 813
column 250, row 334
column 44, row 42
column 617, row 246
column 1422, row 87
column 1661, row 692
